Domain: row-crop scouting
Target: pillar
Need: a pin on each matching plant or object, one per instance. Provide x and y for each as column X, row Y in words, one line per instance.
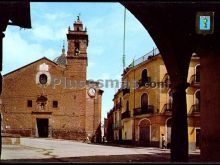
column 179, row 131
column 210, row 104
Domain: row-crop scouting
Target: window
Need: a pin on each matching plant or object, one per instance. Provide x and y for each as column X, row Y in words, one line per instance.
column 197, row 70
column 167, row 79
column 43, row 79
column 170, row 100
column 144, row 101
column 29, row 103
column 55, row 104
column 144, row 75
column 127, row 106
column 197, row 99
column 77, row 48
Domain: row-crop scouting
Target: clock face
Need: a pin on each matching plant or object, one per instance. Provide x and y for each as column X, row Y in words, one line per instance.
column 92, row 92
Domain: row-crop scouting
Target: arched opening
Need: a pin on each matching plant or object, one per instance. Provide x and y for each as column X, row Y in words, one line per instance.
column 168, row 132
column 198, row 137
column 77, row 48
column 144, row 132
column 197, row 101
column 144, row 76
column 170, row 100
column 167, row 79
column 197, row 73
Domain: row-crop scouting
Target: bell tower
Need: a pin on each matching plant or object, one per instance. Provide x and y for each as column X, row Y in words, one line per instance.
column 77, row 39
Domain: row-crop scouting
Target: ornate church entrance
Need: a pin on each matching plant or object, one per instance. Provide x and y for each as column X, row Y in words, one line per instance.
column 42, row 127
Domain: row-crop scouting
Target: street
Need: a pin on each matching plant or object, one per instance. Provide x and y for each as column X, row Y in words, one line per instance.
column 58, row 150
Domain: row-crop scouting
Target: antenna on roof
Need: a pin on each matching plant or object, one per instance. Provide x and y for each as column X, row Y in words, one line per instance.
column 123, row 58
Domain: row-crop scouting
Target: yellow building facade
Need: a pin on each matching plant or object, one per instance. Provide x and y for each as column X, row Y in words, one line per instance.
column 143, row 105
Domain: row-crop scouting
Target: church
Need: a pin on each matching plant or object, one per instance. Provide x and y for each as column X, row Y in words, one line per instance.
column 53, row 98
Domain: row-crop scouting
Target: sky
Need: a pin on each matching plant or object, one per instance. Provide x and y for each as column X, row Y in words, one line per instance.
column 105, row 25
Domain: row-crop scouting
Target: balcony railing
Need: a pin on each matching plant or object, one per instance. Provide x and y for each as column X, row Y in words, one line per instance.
column 142, row 83
column 195, row 109
column 125, row 91
column 194, row 80
column 167, row 107
column 145, row 57
column 117, row 125
column 125, row 114
column 141, row 111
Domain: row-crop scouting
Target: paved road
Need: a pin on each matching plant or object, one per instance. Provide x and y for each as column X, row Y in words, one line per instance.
column 35, row 149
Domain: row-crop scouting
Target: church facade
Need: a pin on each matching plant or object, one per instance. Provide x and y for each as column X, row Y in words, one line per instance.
column 53, row 98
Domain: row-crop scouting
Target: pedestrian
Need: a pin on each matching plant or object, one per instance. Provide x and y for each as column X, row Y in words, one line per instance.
column 163, row 141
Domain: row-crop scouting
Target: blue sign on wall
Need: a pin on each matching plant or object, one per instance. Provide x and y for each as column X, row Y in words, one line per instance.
column 204, row 23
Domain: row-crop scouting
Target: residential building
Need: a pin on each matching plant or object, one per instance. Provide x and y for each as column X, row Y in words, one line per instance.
column 143, row 105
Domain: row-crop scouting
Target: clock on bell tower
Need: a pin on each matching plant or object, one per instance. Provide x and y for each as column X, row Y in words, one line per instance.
column 77, row 39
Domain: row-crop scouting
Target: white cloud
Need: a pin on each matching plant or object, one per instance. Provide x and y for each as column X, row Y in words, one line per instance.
column 18, row 52
column 48, row 32
column 56, row 16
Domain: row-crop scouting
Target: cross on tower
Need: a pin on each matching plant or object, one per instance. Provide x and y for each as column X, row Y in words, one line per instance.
column 78, row 17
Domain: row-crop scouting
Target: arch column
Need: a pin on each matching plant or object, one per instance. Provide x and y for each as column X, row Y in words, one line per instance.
column 210, row 104
column 179, row 131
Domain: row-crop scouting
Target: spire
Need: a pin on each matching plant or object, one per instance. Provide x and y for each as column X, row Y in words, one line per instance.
column 63, row 49
column 78, row 26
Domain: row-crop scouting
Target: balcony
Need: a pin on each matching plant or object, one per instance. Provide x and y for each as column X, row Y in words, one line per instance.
column 140, row 111
column 125, row 91
column 142, row 82
column 118, row 105
column 125, row 114
column 194, row 80
column 167, row 108
column 195, row 109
